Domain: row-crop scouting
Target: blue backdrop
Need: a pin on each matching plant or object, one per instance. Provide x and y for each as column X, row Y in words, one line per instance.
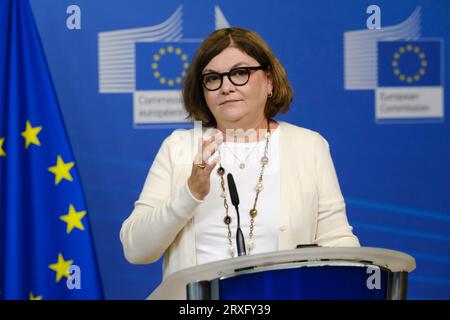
column 394, row 170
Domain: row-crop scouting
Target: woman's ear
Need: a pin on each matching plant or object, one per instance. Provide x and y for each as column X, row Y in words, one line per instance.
column 269, row 82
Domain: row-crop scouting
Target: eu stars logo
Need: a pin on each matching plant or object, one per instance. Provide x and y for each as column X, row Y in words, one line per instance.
column 420, row 58
column 161, row 69
column 169, row 53
column 409, row 80
column 415, row 63
column 162, row 66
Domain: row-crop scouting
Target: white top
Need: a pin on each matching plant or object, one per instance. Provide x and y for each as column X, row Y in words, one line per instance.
column 211, row 232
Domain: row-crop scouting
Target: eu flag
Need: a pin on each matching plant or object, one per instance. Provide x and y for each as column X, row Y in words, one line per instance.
column 163, row 65
column 46, row 251
column 409, row 63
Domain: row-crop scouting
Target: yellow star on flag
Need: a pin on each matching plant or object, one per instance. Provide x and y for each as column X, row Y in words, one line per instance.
column 2, row 152
column 32, row 297
column 62, row 170
column 73, row 219
column 61, row 267
column 30, row 135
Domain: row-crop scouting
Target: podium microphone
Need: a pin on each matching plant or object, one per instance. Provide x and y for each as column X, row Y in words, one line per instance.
column 240, row 242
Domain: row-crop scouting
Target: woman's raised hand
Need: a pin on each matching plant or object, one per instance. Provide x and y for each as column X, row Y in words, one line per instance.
column 204, row 162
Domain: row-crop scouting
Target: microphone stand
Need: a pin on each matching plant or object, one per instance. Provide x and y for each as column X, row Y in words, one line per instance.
column 240, row 241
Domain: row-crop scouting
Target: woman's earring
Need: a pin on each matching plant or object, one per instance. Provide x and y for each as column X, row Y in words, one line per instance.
column 270, row 94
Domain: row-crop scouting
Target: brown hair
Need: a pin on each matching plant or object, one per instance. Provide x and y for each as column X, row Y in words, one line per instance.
column 253, row 45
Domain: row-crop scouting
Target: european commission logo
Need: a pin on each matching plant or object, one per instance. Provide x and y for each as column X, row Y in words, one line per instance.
column 151, row 63
column 161, row 69
column 406, row 64
column 407, row 76
column 409, row 80
column 162, row 64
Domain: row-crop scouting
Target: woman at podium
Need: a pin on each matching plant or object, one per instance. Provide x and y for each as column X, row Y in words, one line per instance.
column 286, row 188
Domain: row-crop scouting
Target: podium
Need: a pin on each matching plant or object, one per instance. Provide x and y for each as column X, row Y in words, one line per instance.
column 316, row 273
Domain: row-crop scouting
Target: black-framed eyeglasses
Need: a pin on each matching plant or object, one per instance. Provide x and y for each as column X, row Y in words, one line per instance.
column 239, row 76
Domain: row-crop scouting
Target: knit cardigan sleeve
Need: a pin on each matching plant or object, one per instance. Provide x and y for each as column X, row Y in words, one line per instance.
column 333, row 229
column 159, row 213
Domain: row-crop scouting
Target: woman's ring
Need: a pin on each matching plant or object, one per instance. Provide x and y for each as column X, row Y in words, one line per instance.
column 201, row 166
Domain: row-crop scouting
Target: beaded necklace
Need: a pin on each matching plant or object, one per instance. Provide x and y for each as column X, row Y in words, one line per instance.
column 253, row 212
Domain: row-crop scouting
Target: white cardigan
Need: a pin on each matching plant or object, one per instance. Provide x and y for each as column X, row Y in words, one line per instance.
column 312, row 206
